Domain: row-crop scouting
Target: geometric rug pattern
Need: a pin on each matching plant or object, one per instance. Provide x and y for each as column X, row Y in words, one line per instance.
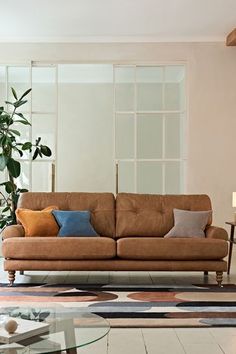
column 196, row 305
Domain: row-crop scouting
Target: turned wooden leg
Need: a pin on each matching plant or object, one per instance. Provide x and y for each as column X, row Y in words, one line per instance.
column 11, row 277
column 219, row 278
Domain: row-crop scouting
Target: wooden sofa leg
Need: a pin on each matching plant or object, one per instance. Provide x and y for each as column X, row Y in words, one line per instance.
column 21, row 272
column 219, row 278
column 11, row 277
column 205, row 272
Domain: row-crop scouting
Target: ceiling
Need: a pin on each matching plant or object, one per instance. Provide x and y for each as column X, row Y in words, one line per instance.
column 116, row 20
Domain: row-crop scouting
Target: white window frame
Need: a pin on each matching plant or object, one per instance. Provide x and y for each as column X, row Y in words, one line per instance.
column 30, row 112
column 55, row 64
column 183, row 114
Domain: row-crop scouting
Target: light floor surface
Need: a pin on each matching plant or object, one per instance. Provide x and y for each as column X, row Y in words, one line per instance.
column 147, row 340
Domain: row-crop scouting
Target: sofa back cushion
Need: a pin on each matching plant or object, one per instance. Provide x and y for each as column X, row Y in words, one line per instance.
column 152, row 215
column 100, row 205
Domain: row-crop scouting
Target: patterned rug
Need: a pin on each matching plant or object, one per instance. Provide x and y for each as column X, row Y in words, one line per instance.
column 194, row 305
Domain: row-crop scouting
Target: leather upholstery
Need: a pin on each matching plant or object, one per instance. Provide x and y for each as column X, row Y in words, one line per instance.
column 101, row 206
column 176, row 249
column 145, row 217
column 149, row 215
column 13, row 231
column 59, row 248
column 216, row 232
column 114, row 264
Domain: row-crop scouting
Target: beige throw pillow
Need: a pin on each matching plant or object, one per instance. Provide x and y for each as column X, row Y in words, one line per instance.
column 189, row 223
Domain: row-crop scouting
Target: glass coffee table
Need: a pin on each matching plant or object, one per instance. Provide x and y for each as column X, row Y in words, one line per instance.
column 68, row 329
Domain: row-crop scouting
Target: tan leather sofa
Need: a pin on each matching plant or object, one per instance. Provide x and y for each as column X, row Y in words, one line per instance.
column 131, row 229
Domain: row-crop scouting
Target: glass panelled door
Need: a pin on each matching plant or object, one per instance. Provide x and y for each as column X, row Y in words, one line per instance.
column 149, row 123
column 71, row 109
column 85, row 128
column 44, row 124
column 41, row 111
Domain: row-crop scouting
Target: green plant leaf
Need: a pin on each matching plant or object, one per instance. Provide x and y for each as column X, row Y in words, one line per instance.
column 25, row 122
column 16, row 132
column 3, row 161
column 3, row 223
column 20, row 152
column 19, row 103
column 14, row 93
column 7, row 102
column 37, row 141
column 23, row 190
column 9, row 187
column 36, row 154
column 20, row 115
column 45, row 150
column 6, row 209
column 27, row 146
column 5, row 140
column 13, row 167
column 25, row 93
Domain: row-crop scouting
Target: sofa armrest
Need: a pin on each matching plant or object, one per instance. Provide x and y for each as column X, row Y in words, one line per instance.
column 13, row 231
column 216, row 232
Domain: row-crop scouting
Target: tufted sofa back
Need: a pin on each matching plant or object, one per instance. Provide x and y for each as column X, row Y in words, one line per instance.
column 152, row 215
column 101, row 206
column 136, row 214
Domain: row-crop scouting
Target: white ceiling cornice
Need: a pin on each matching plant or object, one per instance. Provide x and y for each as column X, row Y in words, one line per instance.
column 100, row 39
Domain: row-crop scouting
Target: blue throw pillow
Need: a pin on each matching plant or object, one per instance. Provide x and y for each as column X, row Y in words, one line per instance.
column 74, row 223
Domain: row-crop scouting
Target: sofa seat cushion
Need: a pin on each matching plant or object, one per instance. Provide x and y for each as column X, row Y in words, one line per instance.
column 59, row 248
column 149, row 248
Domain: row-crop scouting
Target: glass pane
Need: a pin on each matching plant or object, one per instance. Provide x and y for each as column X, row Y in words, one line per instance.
column 173, row 133
column 149, row 88
column 19, row 79
column 25, row 136
column 124, row 88
column 3, row 178
column 149, row 177
column 126, row 177
column 2, row 86
column 174, row 88
column 44, row 89
column 44, row 126
column 23, row 181
column 41, row 176
column 173, row 177
column 149, row 136
column 85, row 126
column 124, row 136
column 85, row 73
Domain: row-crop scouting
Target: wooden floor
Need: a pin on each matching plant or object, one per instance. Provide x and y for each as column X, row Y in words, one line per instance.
column 143, row 340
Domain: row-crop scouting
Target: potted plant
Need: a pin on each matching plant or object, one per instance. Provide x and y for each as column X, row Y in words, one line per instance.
column 9, row 143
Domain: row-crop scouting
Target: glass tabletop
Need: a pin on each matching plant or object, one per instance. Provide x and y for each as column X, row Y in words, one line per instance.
column 65, row 329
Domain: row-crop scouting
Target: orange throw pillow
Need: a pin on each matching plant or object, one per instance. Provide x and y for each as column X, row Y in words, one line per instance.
column 38, row 222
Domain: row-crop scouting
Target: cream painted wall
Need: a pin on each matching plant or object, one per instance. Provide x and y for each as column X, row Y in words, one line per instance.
column 211, row 125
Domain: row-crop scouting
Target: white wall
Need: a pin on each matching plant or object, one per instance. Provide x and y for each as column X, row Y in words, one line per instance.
column 211, row 127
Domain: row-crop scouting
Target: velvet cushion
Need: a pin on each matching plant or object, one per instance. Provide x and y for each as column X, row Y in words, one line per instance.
column 74, row 223
column 38, row 223
column 189, row 223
